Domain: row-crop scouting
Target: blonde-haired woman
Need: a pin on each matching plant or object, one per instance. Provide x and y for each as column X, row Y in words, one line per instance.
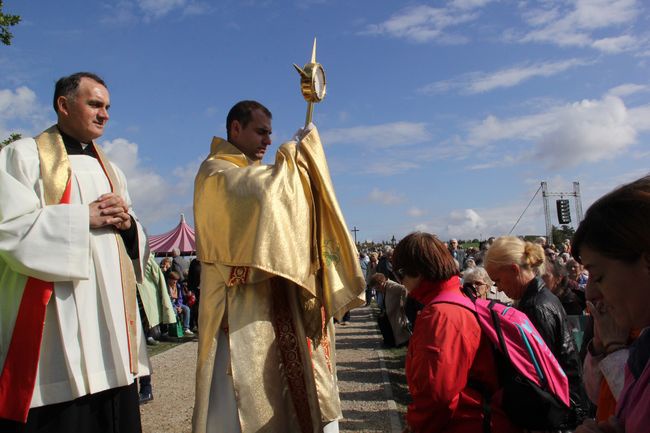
column 516, row 266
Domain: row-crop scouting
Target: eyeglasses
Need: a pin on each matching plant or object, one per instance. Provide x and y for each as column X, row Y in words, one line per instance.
column 400, row 274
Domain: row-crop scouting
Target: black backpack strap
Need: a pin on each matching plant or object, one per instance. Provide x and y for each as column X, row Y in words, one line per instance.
column 485, row 403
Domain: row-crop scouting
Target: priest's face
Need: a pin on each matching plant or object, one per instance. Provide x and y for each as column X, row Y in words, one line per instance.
column 255, row 137
column 83, row 115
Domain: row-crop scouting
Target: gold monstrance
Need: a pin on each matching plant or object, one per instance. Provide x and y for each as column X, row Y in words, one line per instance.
column 312, row 83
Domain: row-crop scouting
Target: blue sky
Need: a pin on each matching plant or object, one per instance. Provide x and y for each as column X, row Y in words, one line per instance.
column 442, row 116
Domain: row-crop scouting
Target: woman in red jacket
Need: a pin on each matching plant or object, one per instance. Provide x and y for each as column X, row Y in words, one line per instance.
column 450, row 365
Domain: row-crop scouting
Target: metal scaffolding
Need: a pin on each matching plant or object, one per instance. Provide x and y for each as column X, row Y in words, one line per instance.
column 547, row 210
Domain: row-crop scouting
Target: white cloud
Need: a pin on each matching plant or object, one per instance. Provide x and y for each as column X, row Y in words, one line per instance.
column 159, row 8
column 615, row 44
column 480, row 82
column 424, row 23
column 197, row 8
column 527, row 128
column 481, row 223
column 21, row 112
column 469, row 4
column 415, row 212
column 18, row 103
column 588, row 131
column 575, row 23
column 385, row 197
column 121, row 13
column 464, row 223
column 585, row 131
column 126, row 12
column 379, row 136
column 640, row 118
column 154, row 197
column 512, row 76
column 628, row 89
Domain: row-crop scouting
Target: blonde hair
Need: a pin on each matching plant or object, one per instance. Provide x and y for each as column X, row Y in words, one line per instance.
column 508, row 250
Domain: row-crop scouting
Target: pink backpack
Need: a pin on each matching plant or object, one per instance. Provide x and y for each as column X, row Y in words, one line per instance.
column 535, row 388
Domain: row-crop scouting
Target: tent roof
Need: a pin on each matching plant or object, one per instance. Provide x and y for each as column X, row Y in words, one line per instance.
column 181, row 237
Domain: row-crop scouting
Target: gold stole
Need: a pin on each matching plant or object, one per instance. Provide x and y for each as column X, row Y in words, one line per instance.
column 55, row 172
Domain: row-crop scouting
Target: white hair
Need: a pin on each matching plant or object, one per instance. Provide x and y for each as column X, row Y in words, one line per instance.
column 477, row 274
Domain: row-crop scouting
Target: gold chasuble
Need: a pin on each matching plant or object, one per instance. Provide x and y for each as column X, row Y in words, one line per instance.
column 278, row 262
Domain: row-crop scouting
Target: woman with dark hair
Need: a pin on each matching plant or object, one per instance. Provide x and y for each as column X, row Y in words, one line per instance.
column 613, row 244
column 448, row 356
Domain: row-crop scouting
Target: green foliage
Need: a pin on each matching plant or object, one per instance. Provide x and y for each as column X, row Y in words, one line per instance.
column 7, row 21
column 13, row 137
column 560, row 234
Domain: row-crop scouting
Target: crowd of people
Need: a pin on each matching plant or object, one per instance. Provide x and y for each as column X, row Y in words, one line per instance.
column 587, row 301
column 182, row 283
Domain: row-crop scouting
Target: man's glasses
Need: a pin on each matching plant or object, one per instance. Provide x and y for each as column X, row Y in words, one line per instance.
column 400, row 274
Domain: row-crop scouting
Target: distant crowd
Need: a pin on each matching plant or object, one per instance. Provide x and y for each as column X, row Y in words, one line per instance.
column 566, row 322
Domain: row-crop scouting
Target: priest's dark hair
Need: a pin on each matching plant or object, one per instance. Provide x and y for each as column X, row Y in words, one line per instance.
column 67, row 86
column 423, row 254
column 243, row 113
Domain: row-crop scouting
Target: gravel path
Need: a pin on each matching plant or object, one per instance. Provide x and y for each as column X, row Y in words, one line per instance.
column 363, row 383
column 173, row 388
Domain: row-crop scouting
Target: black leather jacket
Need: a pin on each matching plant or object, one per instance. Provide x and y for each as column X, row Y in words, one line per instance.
column 546, row 313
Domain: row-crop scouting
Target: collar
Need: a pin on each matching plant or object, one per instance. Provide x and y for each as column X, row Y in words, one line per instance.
column 427, row 290
column 535, row 286
column 223, row 149
column 75, row 147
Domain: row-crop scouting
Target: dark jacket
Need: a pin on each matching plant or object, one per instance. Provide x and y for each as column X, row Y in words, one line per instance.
column 194, row 275
column 386, row 267
column 546, row 313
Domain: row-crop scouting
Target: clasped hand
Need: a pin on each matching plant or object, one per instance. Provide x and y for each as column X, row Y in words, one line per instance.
column 109, row 210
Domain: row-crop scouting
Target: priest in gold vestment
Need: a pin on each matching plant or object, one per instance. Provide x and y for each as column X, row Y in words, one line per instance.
column 278, row 263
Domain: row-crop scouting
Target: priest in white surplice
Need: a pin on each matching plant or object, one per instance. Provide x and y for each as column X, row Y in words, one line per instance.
column 71, row 343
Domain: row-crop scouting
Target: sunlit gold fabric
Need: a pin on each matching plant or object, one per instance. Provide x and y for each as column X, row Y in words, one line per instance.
column 54, row 163
column 55, row 173
column 281, row 220
column 272, row 216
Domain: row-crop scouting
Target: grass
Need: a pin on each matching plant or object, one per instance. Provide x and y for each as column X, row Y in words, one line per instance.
column 395, row 360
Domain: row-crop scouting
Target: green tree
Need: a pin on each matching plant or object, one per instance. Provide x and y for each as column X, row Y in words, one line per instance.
column 7, row 21
column 13, row 137
column 560, row 234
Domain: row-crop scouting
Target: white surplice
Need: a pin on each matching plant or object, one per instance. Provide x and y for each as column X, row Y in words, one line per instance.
column 85, row 347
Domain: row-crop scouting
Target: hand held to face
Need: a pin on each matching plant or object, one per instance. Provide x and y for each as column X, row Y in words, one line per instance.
column 607, row 332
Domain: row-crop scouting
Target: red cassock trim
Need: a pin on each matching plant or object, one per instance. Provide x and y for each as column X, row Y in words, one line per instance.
column 19, row 372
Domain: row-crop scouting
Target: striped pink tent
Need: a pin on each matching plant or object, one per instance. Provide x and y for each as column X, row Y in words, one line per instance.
column 181, row 237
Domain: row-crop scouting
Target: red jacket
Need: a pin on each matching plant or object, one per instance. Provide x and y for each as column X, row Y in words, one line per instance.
column 446, row 350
